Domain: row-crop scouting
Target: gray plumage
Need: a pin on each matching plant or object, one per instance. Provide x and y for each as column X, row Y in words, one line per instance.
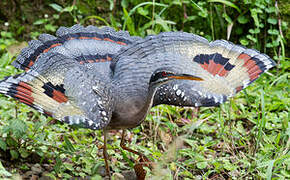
column 99, row 78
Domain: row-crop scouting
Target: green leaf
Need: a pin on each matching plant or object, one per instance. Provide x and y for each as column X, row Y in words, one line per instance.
column 254, row 31
column 3, row 171
column 95, row 167
column 270, row 10
column 272, row 21
column 251, row 38
column 240, row 128
column 164, row 23
column 129, row 22
column 275, row 44
column 243, row 19
column 18, row 128
column 124, row 3
column 244, row 42
column 57, row 164
column 68, row 9
column 269, row 169
column 11, row 142
column 201, row 165
column 273, row 32
column 5, row 34
column 14, row 154
column 111, row 4
column 228, row 3
column 56, row 7
column 186, row 174
column 203, row 14
column 96, row 17
column 23, row 152
column 229, row 166
column 68, row 166
column 68, row 145
column 142, row 11
column 3, row 145
column 128, row 15
column 40, row 21
column 227, row 18
column 50, row 27
column 55, row 16
column 254, row 15
column 269, row 45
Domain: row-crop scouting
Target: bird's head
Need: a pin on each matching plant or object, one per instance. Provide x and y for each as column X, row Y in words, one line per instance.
column 162, row 76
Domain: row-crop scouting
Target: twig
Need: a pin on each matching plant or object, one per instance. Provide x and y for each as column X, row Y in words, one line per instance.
column 279, row 19
column 153, row 10
column 281, row 36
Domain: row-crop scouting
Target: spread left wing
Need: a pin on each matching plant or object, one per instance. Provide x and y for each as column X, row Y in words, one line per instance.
column 59, row 87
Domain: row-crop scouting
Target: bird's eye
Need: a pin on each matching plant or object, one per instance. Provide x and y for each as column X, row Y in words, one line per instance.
column 159, row 75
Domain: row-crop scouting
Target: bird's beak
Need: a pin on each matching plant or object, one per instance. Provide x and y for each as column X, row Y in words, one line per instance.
column 185, row 77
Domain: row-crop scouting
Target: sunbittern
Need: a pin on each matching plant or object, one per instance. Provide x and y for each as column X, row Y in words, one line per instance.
column 98, row 78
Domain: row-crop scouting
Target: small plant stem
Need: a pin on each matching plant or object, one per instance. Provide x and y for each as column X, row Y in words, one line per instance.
column 153, row 12
column 262, row 120
column 211, row 22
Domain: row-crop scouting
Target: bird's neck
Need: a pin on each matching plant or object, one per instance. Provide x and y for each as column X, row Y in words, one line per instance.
column 148, row 103
column 132, row 94
column 131, row 109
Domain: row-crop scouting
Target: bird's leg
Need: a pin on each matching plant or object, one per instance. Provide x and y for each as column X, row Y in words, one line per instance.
column 142, row 158
column 105, row 154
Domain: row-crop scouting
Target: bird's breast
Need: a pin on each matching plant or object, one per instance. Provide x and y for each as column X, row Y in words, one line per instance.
column 128, row 114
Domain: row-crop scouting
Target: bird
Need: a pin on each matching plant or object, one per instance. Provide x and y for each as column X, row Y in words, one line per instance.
column 103, row 79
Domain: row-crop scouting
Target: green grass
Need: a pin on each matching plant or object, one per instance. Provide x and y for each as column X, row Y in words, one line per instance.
column 248, row 137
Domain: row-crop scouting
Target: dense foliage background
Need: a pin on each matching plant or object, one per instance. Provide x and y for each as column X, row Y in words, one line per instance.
column 247, row 137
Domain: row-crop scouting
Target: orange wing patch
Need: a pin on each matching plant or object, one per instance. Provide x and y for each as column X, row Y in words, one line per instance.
column 56, row 92
column 253, row 69
column 59, row 96
column 215, row 63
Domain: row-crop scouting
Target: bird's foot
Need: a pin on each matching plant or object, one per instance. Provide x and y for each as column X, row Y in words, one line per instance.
column 140, row 171
column 143, row 160
column 139, row 166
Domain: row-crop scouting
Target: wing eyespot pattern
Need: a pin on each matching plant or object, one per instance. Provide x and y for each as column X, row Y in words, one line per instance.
column 215, row 64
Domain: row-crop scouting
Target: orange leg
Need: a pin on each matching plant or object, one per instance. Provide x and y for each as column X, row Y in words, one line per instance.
column 143, row 160
column 105, row 154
